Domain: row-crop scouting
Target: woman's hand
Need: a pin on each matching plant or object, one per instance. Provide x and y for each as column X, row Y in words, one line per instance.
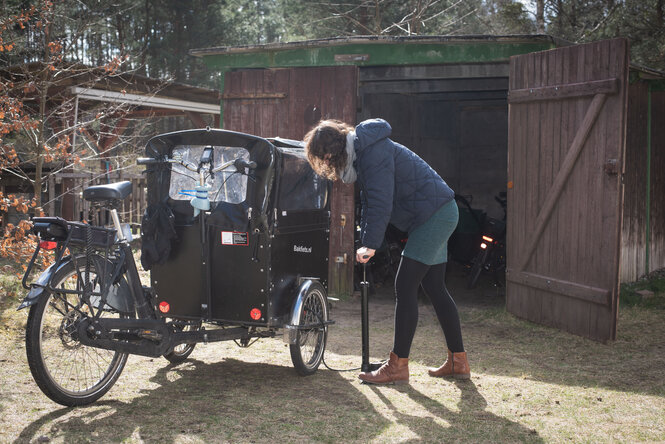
column 364, row 254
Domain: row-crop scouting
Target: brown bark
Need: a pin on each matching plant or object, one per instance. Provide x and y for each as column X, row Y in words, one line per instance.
column 540, row 16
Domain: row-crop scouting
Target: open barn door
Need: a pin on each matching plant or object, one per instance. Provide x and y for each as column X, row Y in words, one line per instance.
column 287, row 103
column 567, row 118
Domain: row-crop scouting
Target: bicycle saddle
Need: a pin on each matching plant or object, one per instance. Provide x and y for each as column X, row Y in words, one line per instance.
column 110, row 191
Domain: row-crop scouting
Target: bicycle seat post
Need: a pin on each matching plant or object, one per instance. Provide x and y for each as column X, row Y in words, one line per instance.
column 116, row 224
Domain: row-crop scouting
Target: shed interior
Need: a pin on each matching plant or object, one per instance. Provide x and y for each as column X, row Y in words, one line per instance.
column 454, row 116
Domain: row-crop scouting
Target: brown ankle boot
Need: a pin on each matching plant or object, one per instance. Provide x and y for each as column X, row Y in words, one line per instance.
column 395, row 371
column 456, row 366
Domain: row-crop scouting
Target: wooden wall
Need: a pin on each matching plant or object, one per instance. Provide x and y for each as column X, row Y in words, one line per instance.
column 634, row 262
column 657, row 247
column 633, row 230
column 287, row 103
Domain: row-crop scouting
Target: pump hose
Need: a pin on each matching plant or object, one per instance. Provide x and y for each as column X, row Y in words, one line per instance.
column 323, row 359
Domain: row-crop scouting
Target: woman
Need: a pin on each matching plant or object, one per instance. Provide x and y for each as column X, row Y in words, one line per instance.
column 398, row 187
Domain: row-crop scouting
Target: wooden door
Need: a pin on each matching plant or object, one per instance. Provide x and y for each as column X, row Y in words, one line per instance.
column 566, row 141
column 287, row 103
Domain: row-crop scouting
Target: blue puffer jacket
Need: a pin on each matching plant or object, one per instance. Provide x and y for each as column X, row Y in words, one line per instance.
column 396, row 186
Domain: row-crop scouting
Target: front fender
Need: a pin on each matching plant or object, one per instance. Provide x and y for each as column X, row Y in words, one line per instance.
column 291, row 328
column 39, row 286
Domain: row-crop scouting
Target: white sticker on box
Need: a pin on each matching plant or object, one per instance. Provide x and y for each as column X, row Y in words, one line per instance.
column 235, row 238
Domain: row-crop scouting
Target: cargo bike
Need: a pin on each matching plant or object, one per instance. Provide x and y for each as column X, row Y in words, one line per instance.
column 236, row 239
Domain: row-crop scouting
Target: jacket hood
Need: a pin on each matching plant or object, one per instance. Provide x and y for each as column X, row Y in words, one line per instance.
column 371, row 131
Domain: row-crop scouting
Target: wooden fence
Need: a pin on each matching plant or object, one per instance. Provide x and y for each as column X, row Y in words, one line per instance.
column 65, row 198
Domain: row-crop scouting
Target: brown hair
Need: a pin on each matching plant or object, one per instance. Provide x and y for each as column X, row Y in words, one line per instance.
column 325, row 147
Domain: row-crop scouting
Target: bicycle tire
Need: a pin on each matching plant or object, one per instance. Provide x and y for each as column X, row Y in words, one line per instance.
column 181, row 352
column 49, row 329
column 476, row 269
column 307, row 351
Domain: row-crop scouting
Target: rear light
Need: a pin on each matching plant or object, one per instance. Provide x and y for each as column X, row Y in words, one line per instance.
column 48, row 245
column 488, row 239
column 255, row 314
column 483, row 246
column 164, row 307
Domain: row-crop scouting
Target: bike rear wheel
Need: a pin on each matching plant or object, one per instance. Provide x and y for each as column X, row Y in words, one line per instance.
column 67, row 371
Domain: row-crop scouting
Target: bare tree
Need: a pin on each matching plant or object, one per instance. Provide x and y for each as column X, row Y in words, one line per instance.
column 43, row 126
column 384, row 17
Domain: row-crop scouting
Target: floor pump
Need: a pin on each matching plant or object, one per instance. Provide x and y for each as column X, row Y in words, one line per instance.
column 366, row 366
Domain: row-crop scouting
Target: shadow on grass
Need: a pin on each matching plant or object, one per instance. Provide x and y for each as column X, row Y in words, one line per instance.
column 236, row 401
column 230, row 400
column 463, row 425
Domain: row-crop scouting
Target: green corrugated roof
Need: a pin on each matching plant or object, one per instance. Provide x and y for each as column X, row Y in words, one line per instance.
column 376, row 50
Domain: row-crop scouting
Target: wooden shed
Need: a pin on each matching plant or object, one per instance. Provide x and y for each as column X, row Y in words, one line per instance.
column 564, row 129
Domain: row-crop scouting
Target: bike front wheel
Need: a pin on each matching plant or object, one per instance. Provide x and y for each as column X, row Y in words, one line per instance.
column 67, row 371
column 181, row 352
column 477, row 268
column 310, row 343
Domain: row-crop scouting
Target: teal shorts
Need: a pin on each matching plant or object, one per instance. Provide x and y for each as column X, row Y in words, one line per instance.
column 428, row 243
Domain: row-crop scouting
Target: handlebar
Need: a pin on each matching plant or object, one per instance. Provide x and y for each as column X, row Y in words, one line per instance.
column 152, row 161
column 242, row 163
column 237, row 163
column 147, row 161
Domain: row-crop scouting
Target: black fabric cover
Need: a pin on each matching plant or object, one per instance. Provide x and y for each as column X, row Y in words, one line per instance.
column 157, row 234
column 300, row 188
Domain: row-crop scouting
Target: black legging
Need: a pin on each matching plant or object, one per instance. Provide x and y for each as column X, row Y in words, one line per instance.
column 410, row 275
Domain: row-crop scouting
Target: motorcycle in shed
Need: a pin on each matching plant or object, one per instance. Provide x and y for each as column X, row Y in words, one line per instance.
column 247, row 258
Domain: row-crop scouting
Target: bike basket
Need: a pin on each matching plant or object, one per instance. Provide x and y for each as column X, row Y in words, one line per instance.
column 58, row 229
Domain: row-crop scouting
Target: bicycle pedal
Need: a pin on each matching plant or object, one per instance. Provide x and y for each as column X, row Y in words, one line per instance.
column 152, row 335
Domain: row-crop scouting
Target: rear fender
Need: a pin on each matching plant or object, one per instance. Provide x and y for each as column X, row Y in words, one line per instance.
column 119, row 296
column 38, row 288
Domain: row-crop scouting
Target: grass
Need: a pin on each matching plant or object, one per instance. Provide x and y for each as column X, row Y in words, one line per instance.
column 529, row 384
column 633, row 293
column 10, row 293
